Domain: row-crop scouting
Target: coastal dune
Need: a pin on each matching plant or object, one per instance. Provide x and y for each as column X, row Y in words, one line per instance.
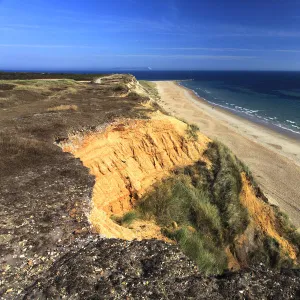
column 273, row 158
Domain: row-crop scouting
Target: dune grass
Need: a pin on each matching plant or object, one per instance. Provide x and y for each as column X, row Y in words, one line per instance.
column 198, row 229
column 199, row 207
column 204, row 204
column 226, row 188
column 63, row 107
column 127, row 219
column 192, row 131
column 151, row 89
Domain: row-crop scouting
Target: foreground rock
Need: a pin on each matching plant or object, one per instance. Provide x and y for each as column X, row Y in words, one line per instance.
column 117, row 269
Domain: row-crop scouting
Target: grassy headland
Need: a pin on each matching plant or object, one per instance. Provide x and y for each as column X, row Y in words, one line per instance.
column 207, row 207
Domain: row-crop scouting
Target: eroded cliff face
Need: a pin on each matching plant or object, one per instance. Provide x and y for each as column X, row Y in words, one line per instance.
column 127, row 158
column 262, row 219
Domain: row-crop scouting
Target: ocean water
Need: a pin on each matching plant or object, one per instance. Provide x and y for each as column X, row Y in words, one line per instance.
column 268, row 98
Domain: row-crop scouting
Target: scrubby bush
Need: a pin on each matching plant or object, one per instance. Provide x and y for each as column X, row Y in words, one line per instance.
column 120, row 88
column 134, row 96
column 126, row 219
column 192, row 131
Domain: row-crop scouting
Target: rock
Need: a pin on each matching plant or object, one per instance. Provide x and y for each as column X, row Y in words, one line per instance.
column 152, row 269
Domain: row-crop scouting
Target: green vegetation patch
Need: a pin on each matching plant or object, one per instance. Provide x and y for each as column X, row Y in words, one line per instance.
column 150, row 88
column 200, row 207
column 288, row 230
column 122, row 88
column 188, row 216
column 127, row 219
column 192, row 131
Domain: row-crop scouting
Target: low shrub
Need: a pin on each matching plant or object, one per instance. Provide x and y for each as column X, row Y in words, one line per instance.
column 134, row 96
column 120, row 88
column 6, row 87
column 126, row 219
column 192, row 131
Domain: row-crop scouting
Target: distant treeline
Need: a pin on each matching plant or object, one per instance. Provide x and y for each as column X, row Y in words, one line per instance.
column 28, row 75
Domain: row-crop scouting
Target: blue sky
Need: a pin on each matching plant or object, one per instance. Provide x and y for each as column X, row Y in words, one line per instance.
column 161, row 34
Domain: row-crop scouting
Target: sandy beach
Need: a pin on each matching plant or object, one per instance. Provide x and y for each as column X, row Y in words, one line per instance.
column 273, row 158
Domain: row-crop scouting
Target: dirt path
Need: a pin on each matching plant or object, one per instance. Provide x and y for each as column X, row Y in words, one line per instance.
column 273, row 159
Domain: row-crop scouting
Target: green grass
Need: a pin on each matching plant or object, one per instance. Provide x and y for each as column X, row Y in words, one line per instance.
column 150, row 88
column 204, row 204
column 127, row 219
column 192, row 131
column 287, row 228
column 210, row 259
column 134, row 96
column 226, row 188
column 120, row 88
column 177, row 200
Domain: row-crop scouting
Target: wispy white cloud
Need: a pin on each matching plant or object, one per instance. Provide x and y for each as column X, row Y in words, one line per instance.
column 202, row 48
column 18, row 27
column 26, row 26
column 70, row 21
column 217, row 57
column 288, row 50
column 107, row 24
column 48, row 46
column 226, row 49
column 159, row 48
column 256, row 32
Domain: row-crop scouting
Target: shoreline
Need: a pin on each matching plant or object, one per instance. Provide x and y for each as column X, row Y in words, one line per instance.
column 273, row 158
column 249, row 124
column 275, row 128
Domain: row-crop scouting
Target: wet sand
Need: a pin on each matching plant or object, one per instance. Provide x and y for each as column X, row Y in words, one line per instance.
column 273, row 158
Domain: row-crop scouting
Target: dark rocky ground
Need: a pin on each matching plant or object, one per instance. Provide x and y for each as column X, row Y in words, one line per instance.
column 46, row 247
column 44, row 193
column 116, row 269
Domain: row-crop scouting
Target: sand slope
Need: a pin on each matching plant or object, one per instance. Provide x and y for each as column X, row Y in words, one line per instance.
column 126, row 160
column 273, row 158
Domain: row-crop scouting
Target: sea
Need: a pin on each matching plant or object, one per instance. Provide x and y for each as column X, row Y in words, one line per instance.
column 268, row 98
